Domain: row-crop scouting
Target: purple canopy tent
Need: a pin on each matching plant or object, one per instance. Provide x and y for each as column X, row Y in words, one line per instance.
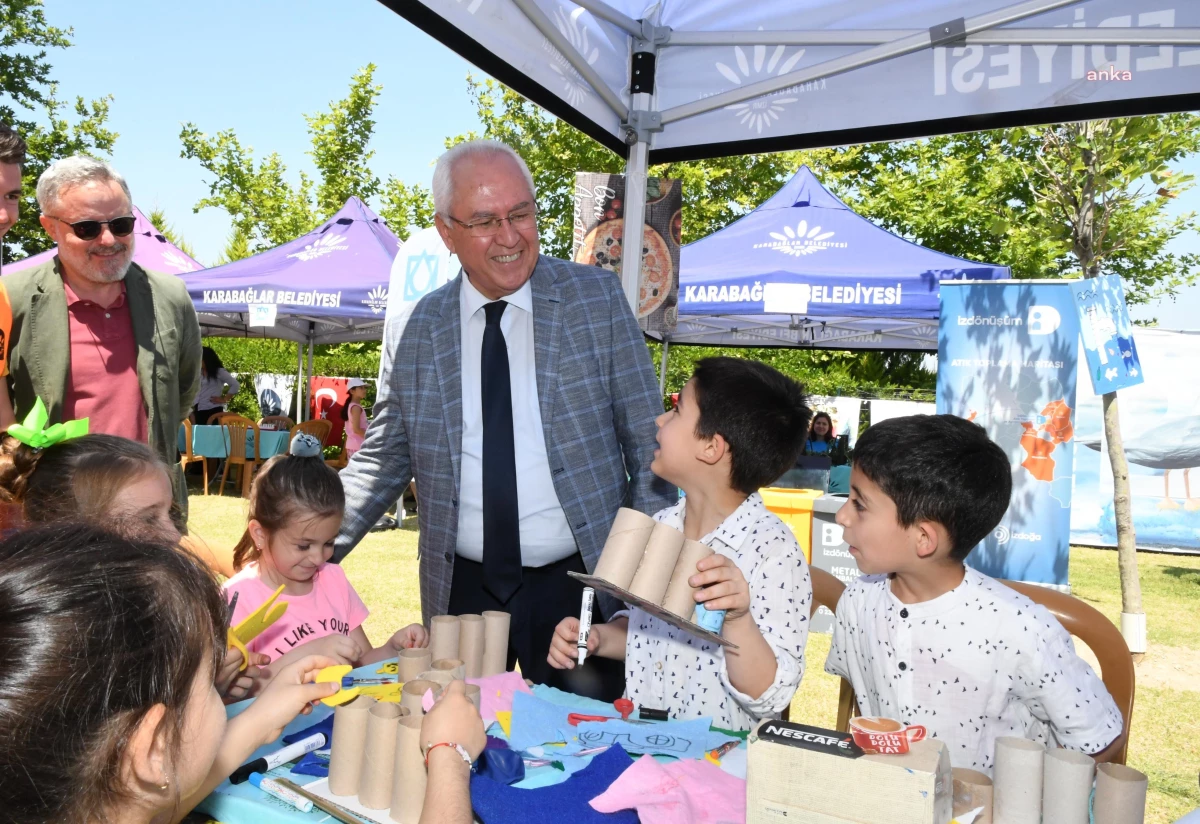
column 327, row 286
column 150, row 251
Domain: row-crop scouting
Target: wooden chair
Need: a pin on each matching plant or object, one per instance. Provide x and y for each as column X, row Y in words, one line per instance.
column 339, row 461
column 827, row 591
column 236, row 428
column 319, row 429
column 1089, row 625
column 278, row 423
column 189, row 457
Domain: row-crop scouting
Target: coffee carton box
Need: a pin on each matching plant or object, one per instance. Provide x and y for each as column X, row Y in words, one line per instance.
column 809, row 775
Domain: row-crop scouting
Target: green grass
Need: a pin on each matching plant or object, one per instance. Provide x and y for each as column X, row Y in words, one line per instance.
column 1166, row 730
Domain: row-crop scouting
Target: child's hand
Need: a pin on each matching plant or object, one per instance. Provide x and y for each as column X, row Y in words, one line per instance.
column 233, row 684
column 339, row 647
column 724, row 586
column 564, row 644
column 454, row 720
column 292, row 692
column 413, row 635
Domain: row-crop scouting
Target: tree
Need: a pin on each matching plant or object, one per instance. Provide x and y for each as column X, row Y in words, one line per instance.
column 30, row 104
column 1104, row 185
column 268, row 209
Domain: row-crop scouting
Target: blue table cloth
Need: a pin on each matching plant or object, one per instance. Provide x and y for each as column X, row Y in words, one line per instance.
column 213, row 442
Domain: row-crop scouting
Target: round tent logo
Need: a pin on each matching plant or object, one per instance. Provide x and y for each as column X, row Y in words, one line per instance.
column 801, row 240
column 761, row 112
column 321, row 246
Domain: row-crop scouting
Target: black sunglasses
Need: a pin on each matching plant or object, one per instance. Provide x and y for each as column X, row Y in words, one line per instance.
column 90, row 229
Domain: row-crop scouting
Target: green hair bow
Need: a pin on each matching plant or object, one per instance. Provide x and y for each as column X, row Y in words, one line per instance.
column 34, row 433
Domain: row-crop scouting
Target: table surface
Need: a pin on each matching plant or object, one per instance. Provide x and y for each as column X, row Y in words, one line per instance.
column 213, row 442
column 245, row 804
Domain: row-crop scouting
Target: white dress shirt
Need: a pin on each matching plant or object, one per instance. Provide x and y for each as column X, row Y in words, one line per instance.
column 213, row 385
column 670, row 669
column 975, row 664
column 546, row 535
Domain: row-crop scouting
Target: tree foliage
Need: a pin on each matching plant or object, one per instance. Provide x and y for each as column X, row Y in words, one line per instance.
column 51, row 127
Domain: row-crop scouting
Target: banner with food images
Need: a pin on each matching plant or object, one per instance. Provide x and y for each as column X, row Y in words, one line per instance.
column 600, row 226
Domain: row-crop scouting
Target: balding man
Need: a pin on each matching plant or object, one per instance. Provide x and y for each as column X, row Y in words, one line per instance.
column 521, row 398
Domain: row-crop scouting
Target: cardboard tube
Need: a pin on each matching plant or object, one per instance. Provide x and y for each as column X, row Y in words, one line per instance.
column 379, row 754
column 624, row 547
column 658, row 562
column 972, row 789
column 412, row 693
column 439, row 677
column 454, row 666
column 346, row 748
column 408, row 784
column 443, row 637
column 470, row 644
column 1120, row 795
column 1067, row 786
column 1017, row 795
column 473, row 694
column 413, row 662
column 495, row 645
column 680, row 597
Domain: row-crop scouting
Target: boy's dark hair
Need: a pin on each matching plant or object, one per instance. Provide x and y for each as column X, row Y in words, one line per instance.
column 761, row 413
column 12, row 145
column 95, row 630
column 939, row 468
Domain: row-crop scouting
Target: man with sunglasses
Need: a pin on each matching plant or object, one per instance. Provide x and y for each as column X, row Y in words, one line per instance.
column 521, row 398
column 94, row 335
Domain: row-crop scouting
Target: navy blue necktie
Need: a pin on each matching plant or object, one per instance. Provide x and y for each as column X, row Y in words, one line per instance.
column 501, row 523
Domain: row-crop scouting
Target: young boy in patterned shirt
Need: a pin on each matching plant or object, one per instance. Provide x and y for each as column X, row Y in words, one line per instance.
column 924, row 639
column 738, row 426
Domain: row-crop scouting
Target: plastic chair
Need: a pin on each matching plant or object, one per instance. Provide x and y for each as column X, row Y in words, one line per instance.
column 189, row 457
column 236, row 428
column 1089, row 625
column 827, row 591
column 278, row 423
column 319, row 429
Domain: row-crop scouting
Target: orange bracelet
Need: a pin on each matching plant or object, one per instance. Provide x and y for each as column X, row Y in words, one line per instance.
column 466, row 756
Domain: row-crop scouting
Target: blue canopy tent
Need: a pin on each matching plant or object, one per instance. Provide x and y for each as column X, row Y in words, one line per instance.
column 327, row 286
column 804, row 270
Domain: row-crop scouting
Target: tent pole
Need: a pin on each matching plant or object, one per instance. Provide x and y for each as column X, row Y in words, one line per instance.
column 299, row 382
column 308, row 383
column 868, row 57
column 998, row 37
column 662, row 369
column 635, row 221
column 606, row 12
column 571, row 54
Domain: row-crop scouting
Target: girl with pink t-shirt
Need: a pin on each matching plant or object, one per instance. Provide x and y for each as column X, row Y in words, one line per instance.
column 355, row 417
column 296, row 506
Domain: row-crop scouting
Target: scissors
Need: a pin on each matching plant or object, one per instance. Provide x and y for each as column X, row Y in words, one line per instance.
column 255, row 624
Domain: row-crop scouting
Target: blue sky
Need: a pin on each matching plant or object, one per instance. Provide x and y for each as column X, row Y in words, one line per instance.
column 258, row 65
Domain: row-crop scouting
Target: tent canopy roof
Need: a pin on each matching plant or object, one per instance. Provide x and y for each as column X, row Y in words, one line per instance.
column 804, row 260
column 731, row 77
column 329, row 285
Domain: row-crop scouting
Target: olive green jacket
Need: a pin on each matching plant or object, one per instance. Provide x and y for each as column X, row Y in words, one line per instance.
column 168, row 351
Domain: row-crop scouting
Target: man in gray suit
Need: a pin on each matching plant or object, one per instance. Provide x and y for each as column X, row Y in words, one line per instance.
column 521, row 398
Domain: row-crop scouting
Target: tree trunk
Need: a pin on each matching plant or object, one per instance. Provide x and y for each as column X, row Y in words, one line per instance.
column 1131, row 587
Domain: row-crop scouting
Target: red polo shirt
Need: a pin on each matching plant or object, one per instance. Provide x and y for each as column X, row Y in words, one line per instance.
column 102, row 383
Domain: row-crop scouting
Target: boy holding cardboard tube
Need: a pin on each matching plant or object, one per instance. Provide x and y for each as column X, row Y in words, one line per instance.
column 925, row 639
column 738, row 426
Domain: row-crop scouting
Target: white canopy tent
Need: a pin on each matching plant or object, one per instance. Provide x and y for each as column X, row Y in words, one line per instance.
column 686, row 79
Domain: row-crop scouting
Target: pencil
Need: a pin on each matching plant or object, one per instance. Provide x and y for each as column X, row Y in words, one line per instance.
column 338, row 813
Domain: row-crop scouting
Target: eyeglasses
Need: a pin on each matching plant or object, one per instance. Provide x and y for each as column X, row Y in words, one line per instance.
column 90, row 229
column 491, row 226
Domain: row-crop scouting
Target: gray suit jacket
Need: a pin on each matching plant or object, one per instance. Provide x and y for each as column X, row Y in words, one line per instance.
column 598, row 400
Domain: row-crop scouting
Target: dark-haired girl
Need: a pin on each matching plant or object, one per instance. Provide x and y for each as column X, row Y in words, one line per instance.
column 108, row 711
column 296, row 506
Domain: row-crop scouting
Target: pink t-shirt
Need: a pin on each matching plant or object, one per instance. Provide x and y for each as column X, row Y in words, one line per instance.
column 353, row 441
column 332, row 607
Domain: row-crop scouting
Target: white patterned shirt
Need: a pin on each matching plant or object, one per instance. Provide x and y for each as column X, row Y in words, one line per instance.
column 667, row 668
column 978, row 663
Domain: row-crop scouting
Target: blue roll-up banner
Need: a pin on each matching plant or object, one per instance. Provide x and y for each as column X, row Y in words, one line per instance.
column 1007, row 358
